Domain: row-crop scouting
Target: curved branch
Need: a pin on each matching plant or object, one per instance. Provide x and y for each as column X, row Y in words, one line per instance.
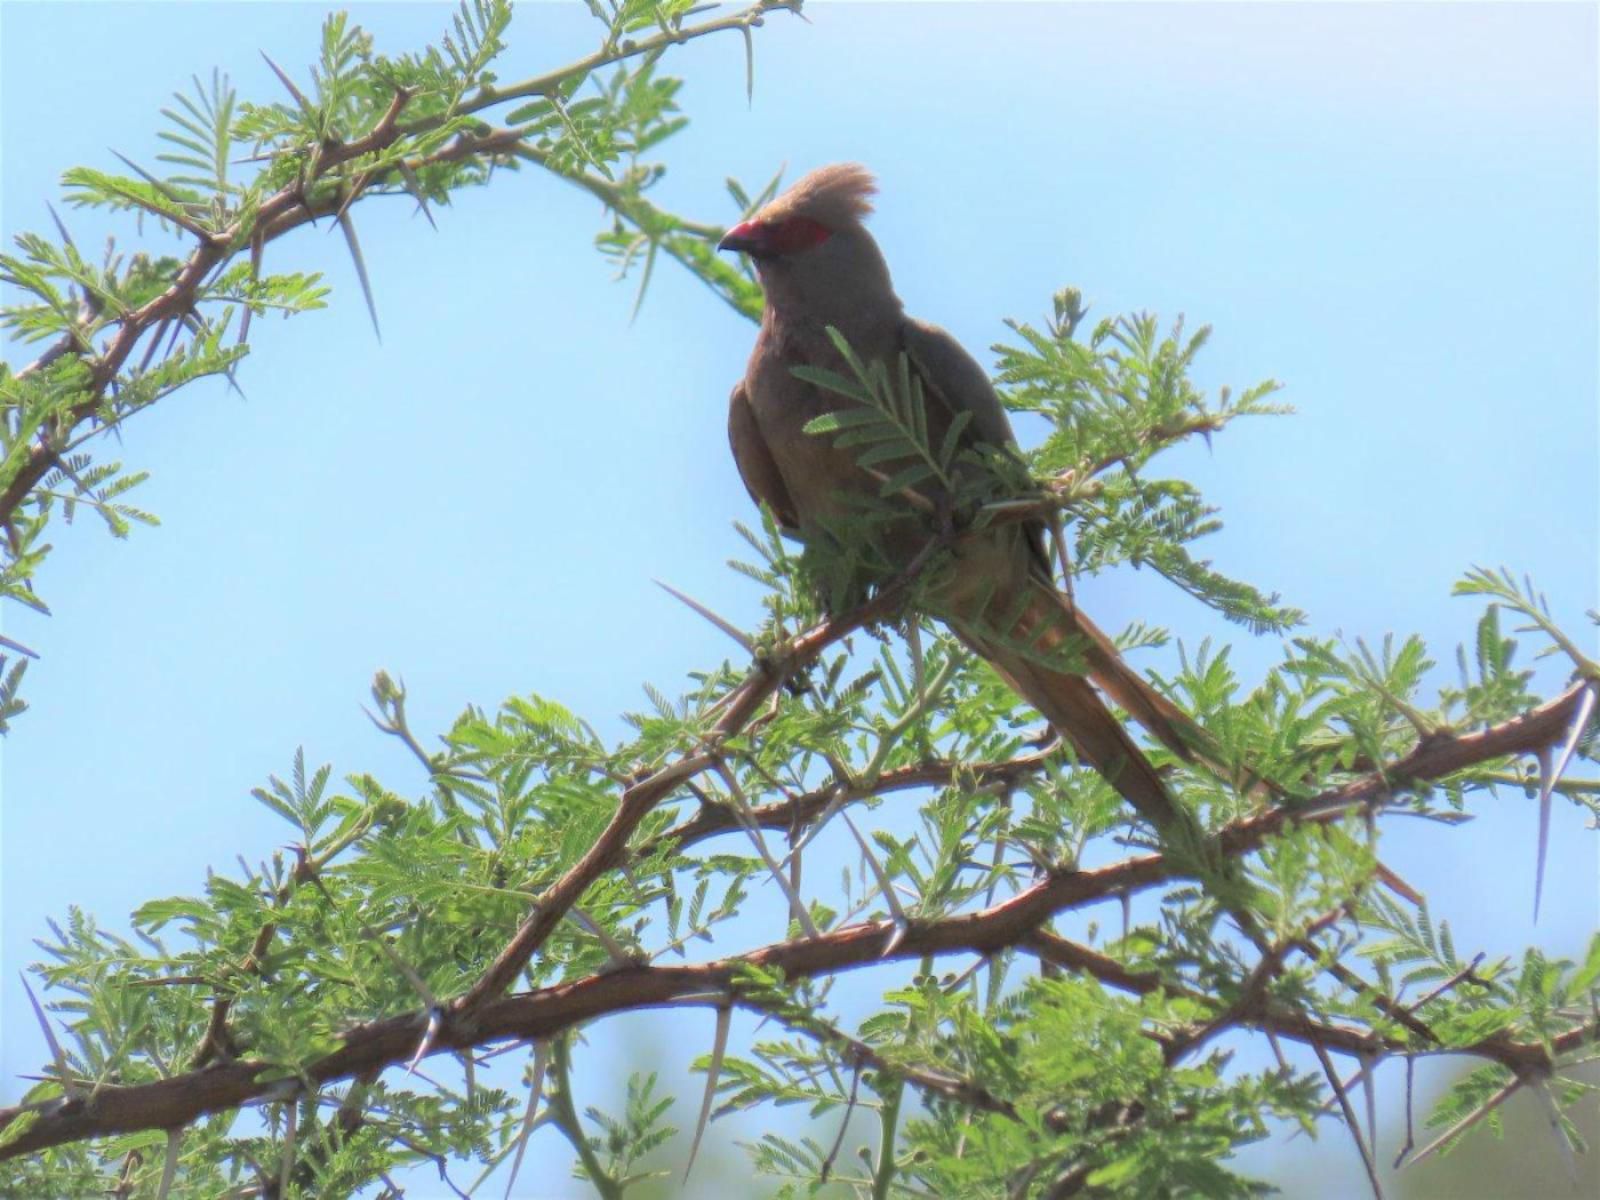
column 544, row 1013
column 289, row 208
column 610, row 54
column 484, row 1016
column 642, row 796
column 795, row 814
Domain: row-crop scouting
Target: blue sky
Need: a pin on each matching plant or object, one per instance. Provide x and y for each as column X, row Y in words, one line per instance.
column 1392, row 209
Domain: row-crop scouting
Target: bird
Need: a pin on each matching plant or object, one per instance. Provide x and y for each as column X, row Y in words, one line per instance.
column 826, row 281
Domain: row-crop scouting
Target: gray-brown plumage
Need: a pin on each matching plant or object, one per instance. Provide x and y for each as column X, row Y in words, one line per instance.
column 820, row 268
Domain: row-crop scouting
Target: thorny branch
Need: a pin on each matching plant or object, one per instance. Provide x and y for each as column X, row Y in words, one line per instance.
column 291, row 206
column 486, row 1016
column 640, row 798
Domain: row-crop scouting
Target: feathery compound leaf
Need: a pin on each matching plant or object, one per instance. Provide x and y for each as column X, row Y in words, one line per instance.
column 204, row 131
column 891, row 420
column 11, row 705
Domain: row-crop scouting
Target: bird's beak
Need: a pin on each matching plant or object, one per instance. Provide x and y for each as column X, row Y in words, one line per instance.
column 748, row 237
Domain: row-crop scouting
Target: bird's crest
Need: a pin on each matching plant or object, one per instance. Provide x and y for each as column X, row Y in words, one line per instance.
column 835, row 195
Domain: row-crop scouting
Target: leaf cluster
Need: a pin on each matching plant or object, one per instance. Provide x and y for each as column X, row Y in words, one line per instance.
column 236, row 174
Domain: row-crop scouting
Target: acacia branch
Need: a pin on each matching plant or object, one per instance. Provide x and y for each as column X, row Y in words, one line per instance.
column 859, row 1053
column 544, row 1013
column 1432, row 758
column 551, row 83
column 642, row 796
column 485, row 1016
column 290, row 207
column 796, row 814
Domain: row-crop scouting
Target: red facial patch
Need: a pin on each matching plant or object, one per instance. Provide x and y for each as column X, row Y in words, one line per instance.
column 796, row 234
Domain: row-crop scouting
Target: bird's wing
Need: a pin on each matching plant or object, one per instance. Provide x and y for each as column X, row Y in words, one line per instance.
column 955, row 375
column 757, row 467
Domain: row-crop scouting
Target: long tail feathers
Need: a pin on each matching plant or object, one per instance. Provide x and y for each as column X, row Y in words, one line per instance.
column 1046, row 622
column 1167, row 723
column 1076, row 711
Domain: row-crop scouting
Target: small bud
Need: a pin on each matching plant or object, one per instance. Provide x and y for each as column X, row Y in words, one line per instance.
column 1070, row 312
column 384, row 690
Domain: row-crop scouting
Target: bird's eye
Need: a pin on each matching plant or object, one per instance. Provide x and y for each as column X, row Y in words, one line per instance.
column 798, row 233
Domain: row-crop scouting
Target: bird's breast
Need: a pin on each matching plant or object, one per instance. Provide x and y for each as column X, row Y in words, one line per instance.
column 813, row 469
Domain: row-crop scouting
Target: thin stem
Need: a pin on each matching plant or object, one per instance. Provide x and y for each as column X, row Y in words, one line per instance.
column 889, row 1115
column 564, row 1115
